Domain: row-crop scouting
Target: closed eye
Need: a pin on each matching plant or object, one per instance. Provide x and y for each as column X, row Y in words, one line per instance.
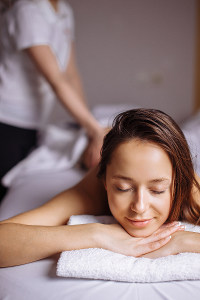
column 158, row 192
column 123, row 190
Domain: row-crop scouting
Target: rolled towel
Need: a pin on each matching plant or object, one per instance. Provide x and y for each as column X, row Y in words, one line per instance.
column 95, row 263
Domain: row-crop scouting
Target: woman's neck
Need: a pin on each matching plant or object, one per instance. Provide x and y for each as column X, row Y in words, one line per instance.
column 54, row 4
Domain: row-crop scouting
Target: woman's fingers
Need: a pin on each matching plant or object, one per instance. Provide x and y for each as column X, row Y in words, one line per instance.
column 164, row 232
column 158, row 239
column 150, row 247
column 118, row 240
column 176, row 223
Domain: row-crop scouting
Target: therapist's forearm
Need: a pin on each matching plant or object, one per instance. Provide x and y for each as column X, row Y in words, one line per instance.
column 75, row 81
column 21, row 244
column 72, row 74
column 77, row 107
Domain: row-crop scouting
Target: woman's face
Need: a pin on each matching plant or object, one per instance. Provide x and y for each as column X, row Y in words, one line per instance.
column 139, row 186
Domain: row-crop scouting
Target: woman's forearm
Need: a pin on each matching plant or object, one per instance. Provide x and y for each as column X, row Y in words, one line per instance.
column 21, row 244
column 189, row 242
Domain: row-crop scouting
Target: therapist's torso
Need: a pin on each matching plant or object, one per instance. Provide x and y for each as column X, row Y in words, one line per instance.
column 26, row 98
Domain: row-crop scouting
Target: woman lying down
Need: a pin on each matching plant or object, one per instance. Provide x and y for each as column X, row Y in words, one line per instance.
column 145, row 179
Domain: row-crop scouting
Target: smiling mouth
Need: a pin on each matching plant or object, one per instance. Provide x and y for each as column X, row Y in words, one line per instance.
column 139, row 223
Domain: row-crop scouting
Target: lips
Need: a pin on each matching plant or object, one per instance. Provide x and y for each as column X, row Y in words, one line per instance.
column 139, row 222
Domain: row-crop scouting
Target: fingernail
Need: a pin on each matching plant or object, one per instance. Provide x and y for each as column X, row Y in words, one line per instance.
column 182, row 227
column 171, row 224
column 178, row 224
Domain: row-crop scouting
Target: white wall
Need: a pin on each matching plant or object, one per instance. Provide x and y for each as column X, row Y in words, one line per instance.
column 139, row 51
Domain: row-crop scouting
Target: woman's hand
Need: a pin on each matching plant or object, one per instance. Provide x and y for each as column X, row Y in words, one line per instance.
column 182, row 241
column 116, row 239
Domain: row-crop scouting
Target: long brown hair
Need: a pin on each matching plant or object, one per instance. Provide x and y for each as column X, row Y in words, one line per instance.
column 157, row 127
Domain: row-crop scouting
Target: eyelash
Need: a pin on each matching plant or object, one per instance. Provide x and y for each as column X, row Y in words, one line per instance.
column 127, row 190
column 158, row 192
column 121, row 190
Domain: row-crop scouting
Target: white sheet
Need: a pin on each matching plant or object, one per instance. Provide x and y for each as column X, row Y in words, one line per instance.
column 38, row 280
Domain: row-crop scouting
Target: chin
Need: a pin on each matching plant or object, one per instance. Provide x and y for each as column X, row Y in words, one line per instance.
column 140, row 233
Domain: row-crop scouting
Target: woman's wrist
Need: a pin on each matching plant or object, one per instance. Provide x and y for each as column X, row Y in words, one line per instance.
column 81, row 236
column 190, row 242
column 186, row 241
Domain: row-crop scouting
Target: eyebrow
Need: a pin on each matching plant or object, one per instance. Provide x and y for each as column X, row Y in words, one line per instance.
column 160, row 180
column 157, row 180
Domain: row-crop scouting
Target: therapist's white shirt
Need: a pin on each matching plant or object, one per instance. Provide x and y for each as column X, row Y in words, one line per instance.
column 26, row 98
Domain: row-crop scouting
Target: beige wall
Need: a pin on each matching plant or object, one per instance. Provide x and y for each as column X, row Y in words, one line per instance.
column 139, row 51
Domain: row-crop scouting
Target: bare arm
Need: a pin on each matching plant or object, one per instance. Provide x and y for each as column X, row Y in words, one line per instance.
column 41, row 232
column 21, row 244
column 68, row 88
column 91, row 154
column 73, row 76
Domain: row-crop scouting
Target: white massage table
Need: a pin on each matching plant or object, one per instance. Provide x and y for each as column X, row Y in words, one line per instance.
column 38, row 280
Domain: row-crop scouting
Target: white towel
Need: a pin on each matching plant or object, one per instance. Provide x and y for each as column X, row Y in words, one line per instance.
column 96, row 263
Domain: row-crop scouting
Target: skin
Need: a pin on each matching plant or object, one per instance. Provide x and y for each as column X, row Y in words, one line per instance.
column 42, row 232
column 139, row 188
column 54, row 4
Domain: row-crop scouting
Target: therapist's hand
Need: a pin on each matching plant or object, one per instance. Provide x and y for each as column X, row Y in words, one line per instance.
column 91, row 155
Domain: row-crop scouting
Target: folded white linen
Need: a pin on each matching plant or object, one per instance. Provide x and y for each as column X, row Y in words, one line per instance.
column 61, row 148
column 94, row 263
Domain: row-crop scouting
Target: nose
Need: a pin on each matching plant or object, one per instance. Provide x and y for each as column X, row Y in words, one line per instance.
column 139, row 202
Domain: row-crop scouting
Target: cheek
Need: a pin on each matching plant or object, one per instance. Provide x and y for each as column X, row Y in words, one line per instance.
column 113, row 202
column 116, row 204
column 163, row 207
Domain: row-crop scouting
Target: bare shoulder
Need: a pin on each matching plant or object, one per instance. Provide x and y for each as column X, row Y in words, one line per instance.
column 86, row 197
column 92, row 186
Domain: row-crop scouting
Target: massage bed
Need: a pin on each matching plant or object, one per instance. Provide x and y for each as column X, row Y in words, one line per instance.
column 38, row 280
